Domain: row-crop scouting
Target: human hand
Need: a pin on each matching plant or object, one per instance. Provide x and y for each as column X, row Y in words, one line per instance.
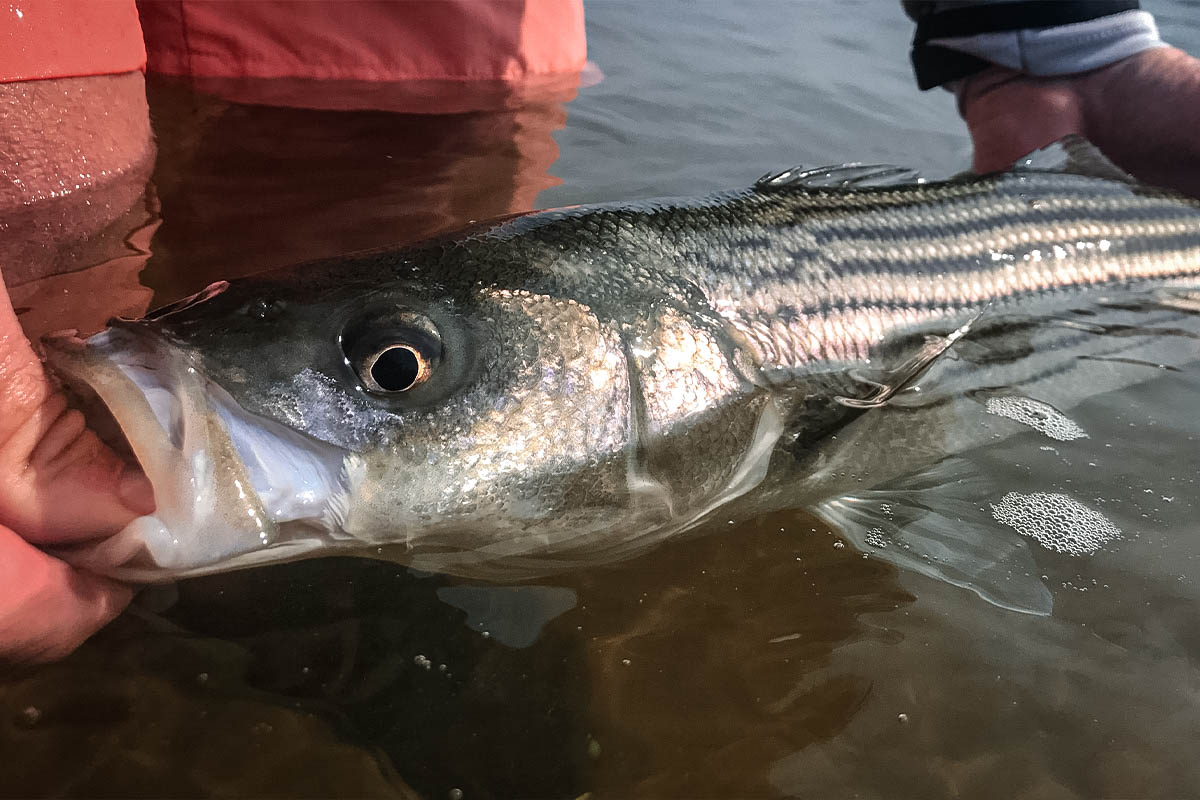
column 59, row 484
column 1143, row 112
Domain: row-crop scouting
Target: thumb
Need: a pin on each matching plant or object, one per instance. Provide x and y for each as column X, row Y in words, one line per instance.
column 47, row 608
column 58, row 481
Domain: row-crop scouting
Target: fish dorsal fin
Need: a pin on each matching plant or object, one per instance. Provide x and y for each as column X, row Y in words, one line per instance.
column 1075, row 155
column 839, row 176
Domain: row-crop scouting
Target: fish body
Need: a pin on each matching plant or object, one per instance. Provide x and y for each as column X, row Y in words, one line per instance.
column 571, row 386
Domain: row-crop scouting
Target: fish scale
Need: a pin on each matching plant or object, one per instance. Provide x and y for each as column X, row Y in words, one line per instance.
column 864, row 285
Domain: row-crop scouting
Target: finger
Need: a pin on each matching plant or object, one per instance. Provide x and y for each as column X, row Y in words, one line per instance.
column 47, row 609
column 58, row 481
column 62, row 483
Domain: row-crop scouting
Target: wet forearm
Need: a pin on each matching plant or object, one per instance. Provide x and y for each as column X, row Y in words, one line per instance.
column 74, row 154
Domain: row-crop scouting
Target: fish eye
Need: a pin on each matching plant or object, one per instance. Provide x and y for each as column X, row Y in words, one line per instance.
column 393, row 368
column 392, row 351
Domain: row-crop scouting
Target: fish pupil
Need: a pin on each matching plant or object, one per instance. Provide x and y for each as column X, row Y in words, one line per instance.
column 396, row 369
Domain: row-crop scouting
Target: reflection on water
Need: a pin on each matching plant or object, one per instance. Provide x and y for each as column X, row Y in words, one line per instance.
column 94, row 283
column 246, row 188
column 759, row 659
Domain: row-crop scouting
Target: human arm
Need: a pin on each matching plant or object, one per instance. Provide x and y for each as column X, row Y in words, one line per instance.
column 1026, row 74
column 1143, row 112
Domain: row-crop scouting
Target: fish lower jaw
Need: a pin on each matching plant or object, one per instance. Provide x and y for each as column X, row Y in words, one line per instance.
column 209, row 521
column 231, row 489
column 280, row 499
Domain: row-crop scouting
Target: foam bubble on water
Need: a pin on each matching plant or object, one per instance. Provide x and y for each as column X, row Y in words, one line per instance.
column 1056, row 521
column 1040, row 416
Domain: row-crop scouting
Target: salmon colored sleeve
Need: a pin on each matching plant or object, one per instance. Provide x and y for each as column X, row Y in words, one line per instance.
column 42, row 39
column 364, row 40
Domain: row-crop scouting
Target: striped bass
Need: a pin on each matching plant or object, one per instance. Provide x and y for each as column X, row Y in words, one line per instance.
column 571, row 386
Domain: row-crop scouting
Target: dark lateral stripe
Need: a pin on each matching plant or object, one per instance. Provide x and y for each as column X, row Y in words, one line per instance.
column 879, row 280
column 975, row 220
column 1082, row 239
column 1002, row 202
column 840, row 336
column 922, row 249
column 965, row 218
column 841, row 317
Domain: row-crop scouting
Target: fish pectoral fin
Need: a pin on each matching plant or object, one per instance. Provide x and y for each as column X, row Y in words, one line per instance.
column 905, row 376
column 1073, row 154
column 937, row 523
column 839, row 176
column 888, row 385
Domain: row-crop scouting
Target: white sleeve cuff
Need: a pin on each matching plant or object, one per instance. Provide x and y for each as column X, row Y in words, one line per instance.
column 1063, row 49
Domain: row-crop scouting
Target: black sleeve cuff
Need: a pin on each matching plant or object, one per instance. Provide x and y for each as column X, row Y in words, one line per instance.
column 936, row 65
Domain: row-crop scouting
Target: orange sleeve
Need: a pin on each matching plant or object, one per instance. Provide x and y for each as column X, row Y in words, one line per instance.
column 68, row 38
column 364, row 40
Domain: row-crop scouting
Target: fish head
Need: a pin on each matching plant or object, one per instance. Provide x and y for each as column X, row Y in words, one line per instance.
column 451, row 422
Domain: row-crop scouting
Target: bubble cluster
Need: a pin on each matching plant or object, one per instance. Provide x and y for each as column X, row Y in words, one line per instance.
column 1056, row 522
column 1040, row 416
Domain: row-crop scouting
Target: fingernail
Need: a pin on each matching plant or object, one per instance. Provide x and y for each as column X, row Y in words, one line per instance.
column 135, row 491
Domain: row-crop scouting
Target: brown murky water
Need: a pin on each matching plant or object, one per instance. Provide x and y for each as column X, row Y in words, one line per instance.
column 768, row 658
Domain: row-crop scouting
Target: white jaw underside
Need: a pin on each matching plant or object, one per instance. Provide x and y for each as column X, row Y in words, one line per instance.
column 232, row 489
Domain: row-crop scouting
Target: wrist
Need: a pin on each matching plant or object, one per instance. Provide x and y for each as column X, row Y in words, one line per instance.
column 971, row 88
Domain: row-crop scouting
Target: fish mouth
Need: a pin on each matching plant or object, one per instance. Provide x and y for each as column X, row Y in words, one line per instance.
column 232, row 489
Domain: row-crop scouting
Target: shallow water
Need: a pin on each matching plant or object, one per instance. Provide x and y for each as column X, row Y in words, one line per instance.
column 769, row 658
